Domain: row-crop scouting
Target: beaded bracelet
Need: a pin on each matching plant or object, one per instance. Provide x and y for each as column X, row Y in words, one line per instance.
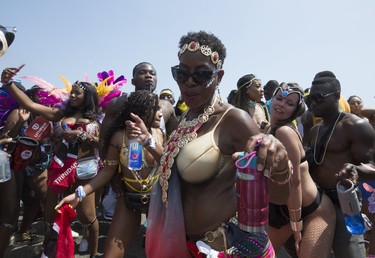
column 80, row 193
column 149, row 142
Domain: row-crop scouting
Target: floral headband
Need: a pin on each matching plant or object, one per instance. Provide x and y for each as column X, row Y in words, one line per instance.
column 205, row 50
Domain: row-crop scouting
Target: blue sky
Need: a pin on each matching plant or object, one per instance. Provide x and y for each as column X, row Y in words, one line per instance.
column 286, row 40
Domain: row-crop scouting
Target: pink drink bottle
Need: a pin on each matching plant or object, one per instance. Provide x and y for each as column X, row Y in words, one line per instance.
column 252, row 195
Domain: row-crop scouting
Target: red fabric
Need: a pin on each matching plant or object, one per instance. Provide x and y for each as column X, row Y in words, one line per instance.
column 60, row 178
column 194, row 250
column 39, row 129
column 65, row 243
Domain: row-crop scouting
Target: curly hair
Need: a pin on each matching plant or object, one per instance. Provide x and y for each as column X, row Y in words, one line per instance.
column 90, row 108
column 205, row 38
column 241, row 98
column 143, row 103
column 301, row 108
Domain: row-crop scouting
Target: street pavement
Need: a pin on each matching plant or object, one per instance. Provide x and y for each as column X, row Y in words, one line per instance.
column 33, row 248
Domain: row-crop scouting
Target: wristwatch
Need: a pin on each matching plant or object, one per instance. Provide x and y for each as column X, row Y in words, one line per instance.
column 82, row 136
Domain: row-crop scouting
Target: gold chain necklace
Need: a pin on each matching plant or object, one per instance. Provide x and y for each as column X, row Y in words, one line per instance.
column 185, row 133
column 329, row 138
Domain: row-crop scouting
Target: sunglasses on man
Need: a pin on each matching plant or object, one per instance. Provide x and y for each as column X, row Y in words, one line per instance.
column 318, row 97
column 199, row 77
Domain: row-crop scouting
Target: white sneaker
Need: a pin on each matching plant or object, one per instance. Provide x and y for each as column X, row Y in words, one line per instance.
column 44, row 256
column 83, row 246
column 74, row 234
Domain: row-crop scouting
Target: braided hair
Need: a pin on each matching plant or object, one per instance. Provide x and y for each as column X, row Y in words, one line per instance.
column 241, row 99
column 143, row 103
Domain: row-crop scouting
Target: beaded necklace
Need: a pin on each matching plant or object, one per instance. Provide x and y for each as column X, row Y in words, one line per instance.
column 252, row 103
column 185, row 133
column 329, row 138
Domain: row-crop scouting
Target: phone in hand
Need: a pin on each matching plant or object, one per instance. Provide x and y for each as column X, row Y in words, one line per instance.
column 20, row 67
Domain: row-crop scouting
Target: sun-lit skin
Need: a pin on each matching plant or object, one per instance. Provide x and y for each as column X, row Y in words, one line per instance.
column 283, row 107
column 77, row 96
column 145, row 78
column 356, row 105
column 158, row 115
column 255, row 90
column 197, row 96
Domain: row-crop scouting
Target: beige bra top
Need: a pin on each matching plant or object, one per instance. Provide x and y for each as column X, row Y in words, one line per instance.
column 201, row 159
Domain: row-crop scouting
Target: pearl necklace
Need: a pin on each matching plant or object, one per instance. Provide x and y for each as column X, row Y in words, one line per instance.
column 329, row 138
column 185, row 133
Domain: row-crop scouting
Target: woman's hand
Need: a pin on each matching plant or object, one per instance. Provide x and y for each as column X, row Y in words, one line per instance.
column 3, row 142
column 272, row 155
column 23, row 115
column 70, row 199
column 8, row 74
column 297, row 240
column 137, row 128
column 70, row 135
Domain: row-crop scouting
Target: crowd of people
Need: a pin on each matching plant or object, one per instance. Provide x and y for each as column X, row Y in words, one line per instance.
column 305, row 142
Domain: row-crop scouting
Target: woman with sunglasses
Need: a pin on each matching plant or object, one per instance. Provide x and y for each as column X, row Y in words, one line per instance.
column 196, row 195
column 77, row 131
column 248, row 97
column 309, row 215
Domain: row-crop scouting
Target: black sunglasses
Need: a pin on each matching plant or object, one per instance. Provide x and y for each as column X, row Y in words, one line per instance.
column 318, row 98
column 199, row 77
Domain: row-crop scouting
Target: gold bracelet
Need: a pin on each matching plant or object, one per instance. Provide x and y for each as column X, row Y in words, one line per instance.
column 296, row 225
column 289, row 171
column 289, row 167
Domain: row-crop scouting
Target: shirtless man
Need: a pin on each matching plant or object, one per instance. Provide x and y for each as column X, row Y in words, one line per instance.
column 338, row 139
column 144, row 78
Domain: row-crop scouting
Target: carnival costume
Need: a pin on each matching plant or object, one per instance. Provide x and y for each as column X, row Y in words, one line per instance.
column 166, row 217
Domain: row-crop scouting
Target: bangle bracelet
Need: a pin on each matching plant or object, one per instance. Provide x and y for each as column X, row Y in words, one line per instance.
column 296, row 225
column 289, row 170
column 80, row 193
column 294, row 210
column 289, row 167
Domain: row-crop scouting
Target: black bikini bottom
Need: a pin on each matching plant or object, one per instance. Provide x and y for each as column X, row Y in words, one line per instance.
column 137, row 201
column 278, row 215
